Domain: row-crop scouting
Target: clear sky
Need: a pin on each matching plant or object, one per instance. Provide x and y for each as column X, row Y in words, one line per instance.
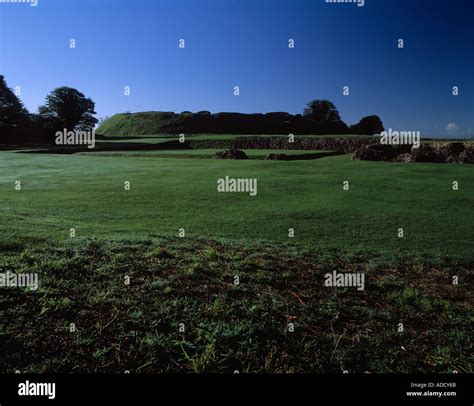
column 245, row 43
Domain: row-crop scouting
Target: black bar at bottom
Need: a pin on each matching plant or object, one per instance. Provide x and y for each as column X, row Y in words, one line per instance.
column 137, row 389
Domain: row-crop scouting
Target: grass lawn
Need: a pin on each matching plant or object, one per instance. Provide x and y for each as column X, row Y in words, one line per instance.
column 189, row 283
column 87, row 193
column 182, row 311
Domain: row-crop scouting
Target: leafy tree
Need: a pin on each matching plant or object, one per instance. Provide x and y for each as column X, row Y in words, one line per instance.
column 369, row 125
column 322, row 111
column 68, row 108
column 12, row 111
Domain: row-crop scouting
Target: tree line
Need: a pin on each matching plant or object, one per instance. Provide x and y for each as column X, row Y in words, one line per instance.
column 68, row 108
column 319, row 118
column 64, row 107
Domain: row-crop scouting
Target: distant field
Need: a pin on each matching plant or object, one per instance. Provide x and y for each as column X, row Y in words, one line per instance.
column 87, row 193
column 200, row 153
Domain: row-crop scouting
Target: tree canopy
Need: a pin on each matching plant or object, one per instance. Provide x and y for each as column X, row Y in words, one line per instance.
column 12, row 111
column 369, row 125
column 322, row 111
column 68, row 108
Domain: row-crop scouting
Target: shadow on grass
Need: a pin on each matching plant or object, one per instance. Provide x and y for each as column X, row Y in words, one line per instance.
column 309, row 156
column 164, row 146
column 51, row 149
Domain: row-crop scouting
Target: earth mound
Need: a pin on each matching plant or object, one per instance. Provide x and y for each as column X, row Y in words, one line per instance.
column 231, row 154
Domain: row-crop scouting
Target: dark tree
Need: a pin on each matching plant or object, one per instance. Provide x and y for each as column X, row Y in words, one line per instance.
column 368, row 126
column 68, row 108
column 12, row 111
column 322, row 111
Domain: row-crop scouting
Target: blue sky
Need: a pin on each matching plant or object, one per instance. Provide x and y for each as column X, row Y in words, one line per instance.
column 245, row 43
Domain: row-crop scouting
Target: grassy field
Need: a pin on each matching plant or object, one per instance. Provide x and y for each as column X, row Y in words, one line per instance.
column 87, row 193
column 183, row 312
column 191, row 280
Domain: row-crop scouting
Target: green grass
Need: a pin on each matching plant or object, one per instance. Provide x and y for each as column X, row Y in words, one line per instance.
column 87, row 193
column 190, row 280
column 228, row 326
